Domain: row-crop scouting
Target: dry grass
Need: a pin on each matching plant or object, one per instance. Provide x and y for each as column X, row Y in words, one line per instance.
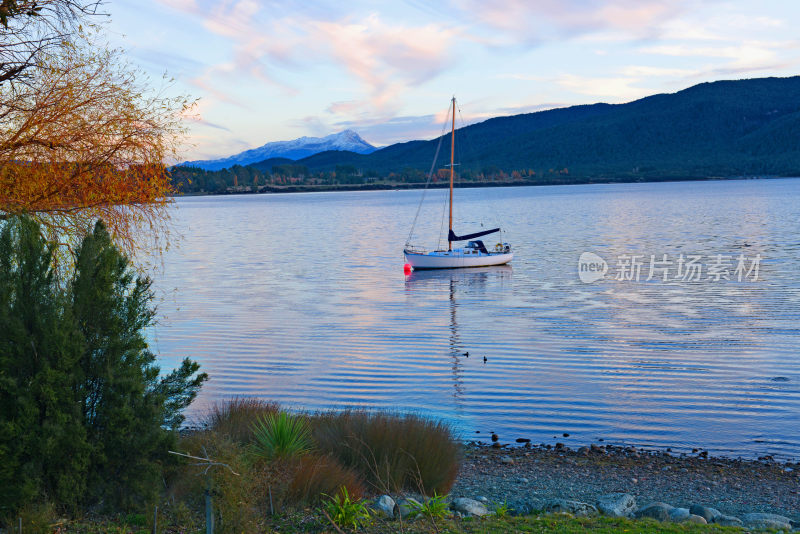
column 391, row 452
column 358, row 450
column 316, row 476
column 239, row 500
column 234, row 417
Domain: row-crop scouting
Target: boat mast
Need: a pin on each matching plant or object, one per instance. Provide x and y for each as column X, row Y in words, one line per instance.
column 452, row 153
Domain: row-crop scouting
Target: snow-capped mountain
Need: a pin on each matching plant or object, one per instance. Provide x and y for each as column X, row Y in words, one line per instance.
column 296, row 149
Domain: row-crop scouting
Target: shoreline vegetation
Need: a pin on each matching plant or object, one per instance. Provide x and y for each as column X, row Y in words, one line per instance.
column 369, row 471
column 392, row 186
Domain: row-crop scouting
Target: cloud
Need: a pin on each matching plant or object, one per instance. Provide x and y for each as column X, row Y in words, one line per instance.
column 387, row 58
column 363, row 65
column 515, row 22
column 745, row 56
column 619, row 88
column 638, row 71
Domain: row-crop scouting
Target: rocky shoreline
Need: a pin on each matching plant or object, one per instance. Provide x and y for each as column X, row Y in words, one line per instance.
column 624, row 481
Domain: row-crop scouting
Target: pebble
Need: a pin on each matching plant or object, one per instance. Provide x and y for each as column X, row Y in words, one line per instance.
column 523, row 480
column 597, row 449
column 571, row 476
column 507, row 460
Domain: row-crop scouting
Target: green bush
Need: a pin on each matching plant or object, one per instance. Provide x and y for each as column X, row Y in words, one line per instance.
column 434, row 508
column 281, row 435
column 392, row 453
column 85, row 417
column 346, row 512
column 234, row 417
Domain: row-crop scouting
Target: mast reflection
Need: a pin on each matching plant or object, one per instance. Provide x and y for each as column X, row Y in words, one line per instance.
column 458, row 281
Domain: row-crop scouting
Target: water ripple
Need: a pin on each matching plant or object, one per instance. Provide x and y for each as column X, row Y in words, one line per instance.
column 301, row 299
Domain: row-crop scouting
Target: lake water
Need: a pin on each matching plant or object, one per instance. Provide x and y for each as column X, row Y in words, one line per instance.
column 302, row 298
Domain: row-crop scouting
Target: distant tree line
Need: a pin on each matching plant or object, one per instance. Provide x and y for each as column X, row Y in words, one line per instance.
column 249, row 178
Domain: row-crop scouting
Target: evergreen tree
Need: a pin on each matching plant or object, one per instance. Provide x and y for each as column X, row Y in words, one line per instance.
column 84, row 415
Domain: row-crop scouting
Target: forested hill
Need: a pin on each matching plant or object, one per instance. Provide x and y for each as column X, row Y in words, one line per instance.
column 719, row 129
column 723, row 128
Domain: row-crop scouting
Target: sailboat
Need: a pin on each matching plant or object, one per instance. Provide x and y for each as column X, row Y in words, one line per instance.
column 474, row 254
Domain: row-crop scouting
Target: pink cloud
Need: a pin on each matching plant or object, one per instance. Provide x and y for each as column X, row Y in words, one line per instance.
column 386, row 58
column 520, row 22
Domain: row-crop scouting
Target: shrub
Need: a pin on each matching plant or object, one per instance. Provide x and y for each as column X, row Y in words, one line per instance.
column 322, row 475
column 434, row 508
column 82, row 408
column 281, row 435
column 346, row 512
column 234, row 417
column 501, row 509
column 238, row 500
column 391, row 452
column 36, row 518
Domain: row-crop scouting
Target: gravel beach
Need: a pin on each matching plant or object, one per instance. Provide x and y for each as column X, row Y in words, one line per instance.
column 527, row 477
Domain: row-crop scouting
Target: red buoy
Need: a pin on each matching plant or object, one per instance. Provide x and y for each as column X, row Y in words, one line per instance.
column 407, row 268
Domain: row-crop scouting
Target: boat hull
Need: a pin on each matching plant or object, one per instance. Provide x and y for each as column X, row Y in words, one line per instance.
column 455, row 259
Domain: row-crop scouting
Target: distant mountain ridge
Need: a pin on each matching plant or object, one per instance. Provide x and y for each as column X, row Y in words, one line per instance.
column 296, row 149
column 713, row 129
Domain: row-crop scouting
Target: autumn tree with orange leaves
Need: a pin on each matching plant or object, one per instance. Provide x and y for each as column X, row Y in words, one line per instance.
column 83, row 138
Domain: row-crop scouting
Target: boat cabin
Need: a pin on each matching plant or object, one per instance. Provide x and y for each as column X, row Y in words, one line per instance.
column 477, row 246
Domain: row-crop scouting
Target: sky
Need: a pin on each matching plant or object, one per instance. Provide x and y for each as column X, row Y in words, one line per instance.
column 265, row 71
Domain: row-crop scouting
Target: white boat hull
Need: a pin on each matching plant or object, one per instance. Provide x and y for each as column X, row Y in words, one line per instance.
column 455, row 259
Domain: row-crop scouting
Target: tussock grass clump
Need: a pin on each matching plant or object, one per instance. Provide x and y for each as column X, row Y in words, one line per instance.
column 234, row 417
column 281, row 435
column 391, row 452
column 316, row 476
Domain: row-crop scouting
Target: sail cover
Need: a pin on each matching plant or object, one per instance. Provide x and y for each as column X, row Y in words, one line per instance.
column 453, row 237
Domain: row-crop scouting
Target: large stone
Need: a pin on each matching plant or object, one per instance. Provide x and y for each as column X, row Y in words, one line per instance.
column 576, row 508
column 468, row 506
column 406, row 506
column 616, row 504
column 706, row 512
column 679, row 515
column 656, row 510
column 700, row 520
column 727, row 521
column 520, row 507
column 767, row 521
column 384, row 505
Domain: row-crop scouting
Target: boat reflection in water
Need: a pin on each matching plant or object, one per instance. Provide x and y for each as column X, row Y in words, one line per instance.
column 462, row 287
